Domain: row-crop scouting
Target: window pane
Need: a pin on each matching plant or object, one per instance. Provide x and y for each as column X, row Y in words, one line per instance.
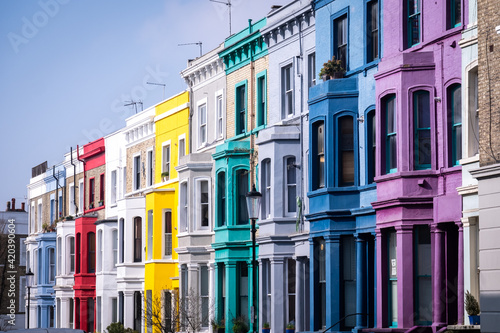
column 291, row 179
column 422, row 129
column 346, row 145
column 204, row 203
column 168, row 233
column 242, row 191
column 221, row 192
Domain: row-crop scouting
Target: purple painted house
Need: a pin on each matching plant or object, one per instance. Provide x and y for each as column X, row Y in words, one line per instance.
column 419, row 231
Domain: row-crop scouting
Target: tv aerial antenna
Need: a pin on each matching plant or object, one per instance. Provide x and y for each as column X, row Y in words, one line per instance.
column 134, row 103
column 159, row 84
column 228, row 4
column 197, row 43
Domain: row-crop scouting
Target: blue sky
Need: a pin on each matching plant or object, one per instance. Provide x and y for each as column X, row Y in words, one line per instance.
column 68, row 66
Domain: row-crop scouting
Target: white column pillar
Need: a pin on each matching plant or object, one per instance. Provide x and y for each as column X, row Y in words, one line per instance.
column 278, row 299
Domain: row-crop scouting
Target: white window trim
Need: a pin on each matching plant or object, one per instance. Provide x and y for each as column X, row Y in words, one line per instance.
column 179, row 139
column 59, row 259
column 32, row 218
column 67, row 249
column 220, row 93
column 72, row 207
column 166, row 143
column 114, row 189
column 136, row 186
column 467, row 135
column 284, row 64
column 81, row 196
column 163, row 211
column 309, row 74
column 180, row 208
column 99, row 252
column 198, row 121
column 117, row 247
column 150, row 180
column 39, row 215
column 197, row 198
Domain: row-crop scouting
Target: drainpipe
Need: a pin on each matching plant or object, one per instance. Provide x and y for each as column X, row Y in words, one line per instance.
column 57, row 188
column 78, row 158
column 301, row 142
column 74, row 182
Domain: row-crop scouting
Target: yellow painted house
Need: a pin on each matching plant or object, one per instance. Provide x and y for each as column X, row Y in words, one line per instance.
column 161, row 267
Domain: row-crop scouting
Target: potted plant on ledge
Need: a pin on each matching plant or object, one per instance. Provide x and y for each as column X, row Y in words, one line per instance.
column 240, row 325
column 472, row 308
column 332, row 69
column 164, row 176
column 266, row 328
column 290, row 327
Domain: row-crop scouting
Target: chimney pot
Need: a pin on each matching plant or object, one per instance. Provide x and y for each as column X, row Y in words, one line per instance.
column 13, row 204
column 8, row 205
column 22, row 207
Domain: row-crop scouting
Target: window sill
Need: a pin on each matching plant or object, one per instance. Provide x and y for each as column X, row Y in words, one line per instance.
column 95, row 209
column 239, row 136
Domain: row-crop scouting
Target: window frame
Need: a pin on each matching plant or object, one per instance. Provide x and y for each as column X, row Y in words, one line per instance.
column 336, row 19
column 339, row 117
column 371, row 144
column 164, row 233
column 261, row 102
column 470, row 117
column 102, row 188
column 202, row 105
column 290, row 111
column 91, row 258
column 92, row 192
column 199, row 204
column 311, row 70
column 71, row 255
column 219, row 114
column 136, row 172
column 180, row 152
column 370, row 31
column 318, row 158
column 266, row 186
column 414, row 93
column 51, row 273
column 456, row 147
column 150, row 167
column 113, row 185
column 386, row 138
column 239, row 197
column 452, row 13
column 287, row 185
column 164, row 163
column 240, row 129
column 137, row 239
column 409, row 18
column 183, row 206
column 221, row 199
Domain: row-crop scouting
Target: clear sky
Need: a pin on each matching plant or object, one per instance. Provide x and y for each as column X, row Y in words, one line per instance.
column 67, row 67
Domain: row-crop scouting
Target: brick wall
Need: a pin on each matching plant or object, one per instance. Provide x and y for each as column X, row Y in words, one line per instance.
column 141, row 148
column 489, row 81
column 96, row 174
column 249, row 74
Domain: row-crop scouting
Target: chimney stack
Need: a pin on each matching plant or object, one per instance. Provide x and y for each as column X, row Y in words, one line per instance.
column 22, row 207
column 13, row 204
column 8, row 206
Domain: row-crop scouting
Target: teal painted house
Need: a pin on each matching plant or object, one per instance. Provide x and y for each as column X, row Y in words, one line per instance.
column 245, row 59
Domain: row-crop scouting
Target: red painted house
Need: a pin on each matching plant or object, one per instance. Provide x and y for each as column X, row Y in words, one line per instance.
column 93, row 159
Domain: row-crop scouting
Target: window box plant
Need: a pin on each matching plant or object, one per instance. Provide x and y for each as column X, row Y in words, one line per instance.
column 266, row 328
column 165, row 176
column 240, row 325
column 218, row 327
column 472, row 308
column 101, row 202
column 290, row 327
column 332, row 69
column 91, row 205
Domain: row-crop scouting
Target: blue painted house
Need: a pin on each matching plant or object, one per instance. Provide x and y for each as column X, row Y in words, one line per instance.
column 342, row 168
column 46, row 201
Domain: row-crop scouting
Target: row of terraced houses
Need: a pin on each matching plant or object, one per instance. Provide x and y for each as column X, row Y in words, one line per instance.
column 379, row 190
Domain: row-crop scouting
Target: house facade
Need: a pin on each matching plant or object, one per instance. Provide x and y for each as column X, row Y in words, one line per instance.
column 341, row 168
column 206, row 79
column 488, row 173
column 133, row 180
column 94, row 170
column 419, row 232
column 282, row 173
column 245, row 60
column 161, row 281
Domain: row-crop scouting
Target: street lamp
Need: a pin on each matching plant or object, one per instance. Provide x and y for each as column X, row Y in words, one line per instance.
column 253, row 206
column 29, row 283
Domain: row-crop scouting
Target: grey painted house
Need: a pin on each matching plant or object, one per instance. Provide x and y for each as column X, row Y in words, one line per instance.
column 283, row 232
column 206, row 80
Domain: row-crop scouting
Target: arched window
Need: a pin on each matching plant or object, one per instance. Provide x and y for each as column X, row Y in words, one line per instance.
column 78, row 247
column 370, row 146
column 390, row 129
column 266, row 188
column 241, row 191
column 346, row 151
column 455, row 122
column 115, row 247
column 221, row 199
column 290, row 185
